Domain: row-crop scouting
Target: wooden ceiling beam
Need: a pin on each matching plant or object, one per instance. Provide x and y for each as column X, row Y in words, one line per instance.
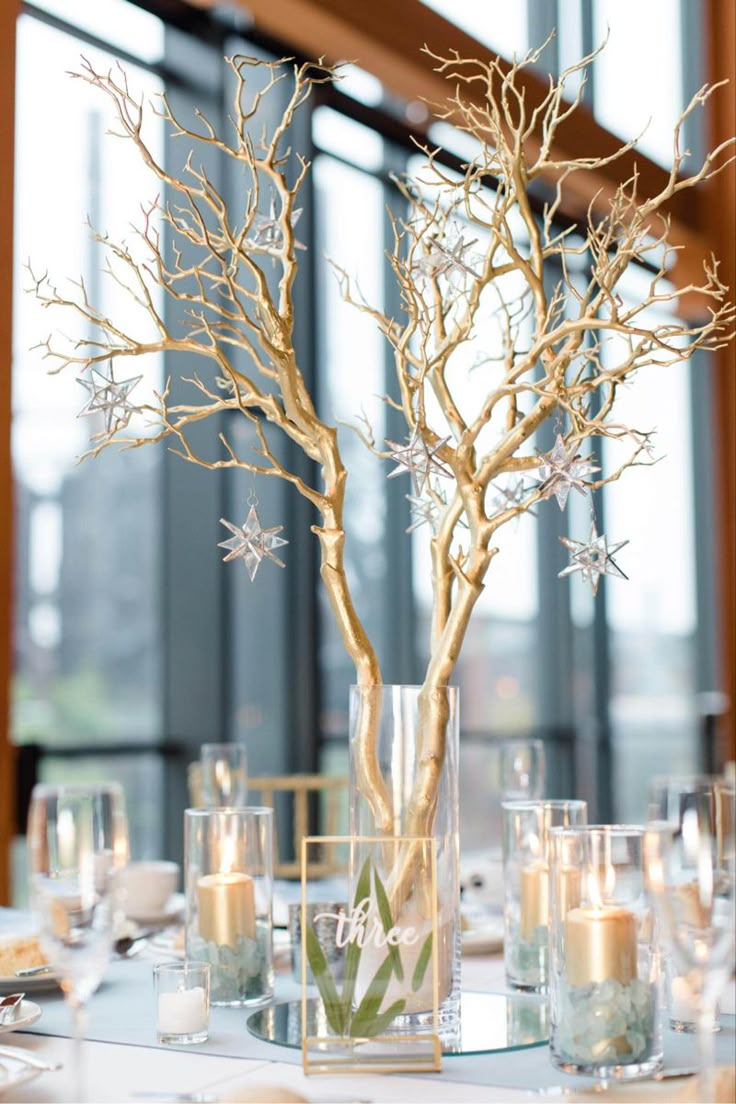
column 720, row 213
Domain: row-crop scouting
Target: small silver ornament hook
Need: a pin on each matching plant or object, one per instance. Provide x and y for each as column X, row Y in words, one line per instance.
column 252, row 497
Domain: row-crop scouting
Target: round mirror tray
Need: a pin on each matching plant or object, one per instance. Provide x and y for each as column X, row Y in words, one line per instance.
column 488, row 1022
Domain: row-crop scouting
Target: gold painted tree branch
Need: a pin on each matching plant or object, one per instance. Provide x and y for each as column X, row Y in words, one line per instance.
column 506, row 323
column 553, row 308
column 218, row 269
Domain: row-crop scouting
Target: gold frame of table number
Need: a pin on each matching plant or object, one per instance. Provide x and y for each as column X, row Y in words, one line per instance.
column 354, row 1063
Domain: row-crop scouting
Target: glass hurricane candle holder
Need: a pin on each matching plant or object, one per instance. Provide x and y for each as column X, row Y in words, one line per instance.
column 229, row 889
column 604, row 964
column 526, row 827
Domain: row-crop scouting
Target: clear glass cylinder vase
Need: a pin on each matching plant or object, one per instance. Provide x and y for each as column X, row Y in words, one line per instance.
column 526, row 828
column 404, row 782
column 229, row 900
column 605, row 966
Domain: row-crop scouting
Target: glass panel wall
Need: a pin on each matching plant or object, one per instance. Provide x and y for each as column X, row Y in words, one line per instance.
column 87, row 617
column 652, row 618
column 637, row 85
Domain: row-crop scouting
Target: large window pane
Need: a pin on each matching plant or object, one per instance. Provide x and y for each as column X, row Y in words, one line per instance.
column 495, row 23
column 87, row 618
column 351, row 361
column 638, row 77
column 652, row 617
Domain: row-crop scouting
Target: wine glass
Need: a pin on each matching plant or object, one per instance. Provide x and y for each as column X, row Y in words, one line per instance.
column 224, row 775
column 690, row 866
column 521, row 769
column 77, row 843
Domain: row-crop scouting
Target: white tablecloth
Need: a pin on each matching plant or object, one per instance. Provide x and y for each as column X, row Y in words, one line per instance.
column 116, row 1070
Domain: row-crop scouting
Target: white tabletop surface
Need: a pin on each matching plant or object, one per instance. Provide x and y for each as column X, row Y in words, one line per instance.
column 114, row 1072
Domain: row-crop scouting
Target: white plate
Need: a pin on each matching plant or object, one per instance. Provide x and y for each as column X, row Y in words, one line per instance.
column 171, row 911
column 43, row 983
column 29, row 1013
column 15, row 1071
column 165, row 942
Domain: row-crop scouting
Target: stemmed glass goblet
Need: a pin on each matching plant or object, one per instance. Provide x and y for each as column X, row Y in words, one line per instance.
column 224, row 775
column 77, row 843
column 690, row 869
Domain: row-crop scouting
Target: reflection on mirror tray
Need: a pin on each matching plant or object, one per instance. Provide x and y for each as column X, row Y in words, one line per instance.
column 488, row 1022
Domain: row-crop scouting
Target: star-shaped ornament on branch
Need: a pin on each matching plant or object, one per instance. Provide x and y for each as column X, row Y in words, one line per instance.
column 421, row 461
column 562, row 470
column 252, row 543
column 424, row 511
column 447, row 257
column 513, row 494
column 593, row 558
column 267, row 235
column 109, row 396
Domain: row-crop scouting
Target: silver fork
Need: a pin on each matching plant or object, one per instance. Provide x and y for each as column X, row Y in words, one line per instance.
column 29, row 1059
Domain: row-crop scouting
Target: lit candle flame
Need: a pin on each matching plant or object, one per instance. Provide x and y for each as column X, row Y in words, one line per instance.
column 228, row 853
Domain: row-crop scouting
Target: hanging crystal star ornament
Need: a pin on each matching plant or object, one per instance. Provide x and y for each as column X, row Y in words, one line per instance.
column 424, row 511
column 421, row 461
column 109, row 396
column 562, row 470
column 453, row 255
column 509, row 496
column 267, row 235
column 252, row 543
column 593, row 558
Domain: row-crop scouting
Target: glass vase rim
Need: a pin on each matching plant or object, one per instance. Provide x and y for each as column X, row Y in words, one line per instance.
column 525, row 804
column 599, row 829
column 369, row 838
column 177, row 966
column 399, row 686
column 229, row 810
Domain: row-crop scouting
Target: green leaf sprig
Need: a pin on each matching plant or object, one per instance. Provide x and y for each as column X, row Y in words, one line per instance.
column 367, row 1020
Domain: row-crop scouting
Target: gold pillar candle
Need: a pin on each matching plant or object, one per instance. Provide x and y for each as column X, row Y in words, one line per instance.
column 533, row 899
column 534, row 895
column 226, row 908
column 600, row 945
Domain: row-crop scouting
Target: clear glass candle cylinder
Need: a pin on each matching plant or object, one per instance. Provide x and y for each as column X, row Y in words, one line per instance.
column 605, row 984
column 224, row 770
column 229, row 890
column 182, row 1002
column 526, row 877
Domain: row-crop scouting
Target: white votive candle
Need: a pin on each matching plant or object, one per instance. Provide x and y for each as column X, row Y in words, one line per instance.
column 183, row 1012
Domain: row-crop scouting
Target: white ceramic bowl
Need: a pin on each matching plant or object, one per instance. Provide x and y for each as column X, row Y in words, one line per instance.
column 147, row 886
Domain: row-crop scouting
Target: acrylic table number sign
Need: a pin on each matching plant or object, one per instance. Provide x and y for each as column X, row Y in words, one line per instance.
column 365, row 1013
